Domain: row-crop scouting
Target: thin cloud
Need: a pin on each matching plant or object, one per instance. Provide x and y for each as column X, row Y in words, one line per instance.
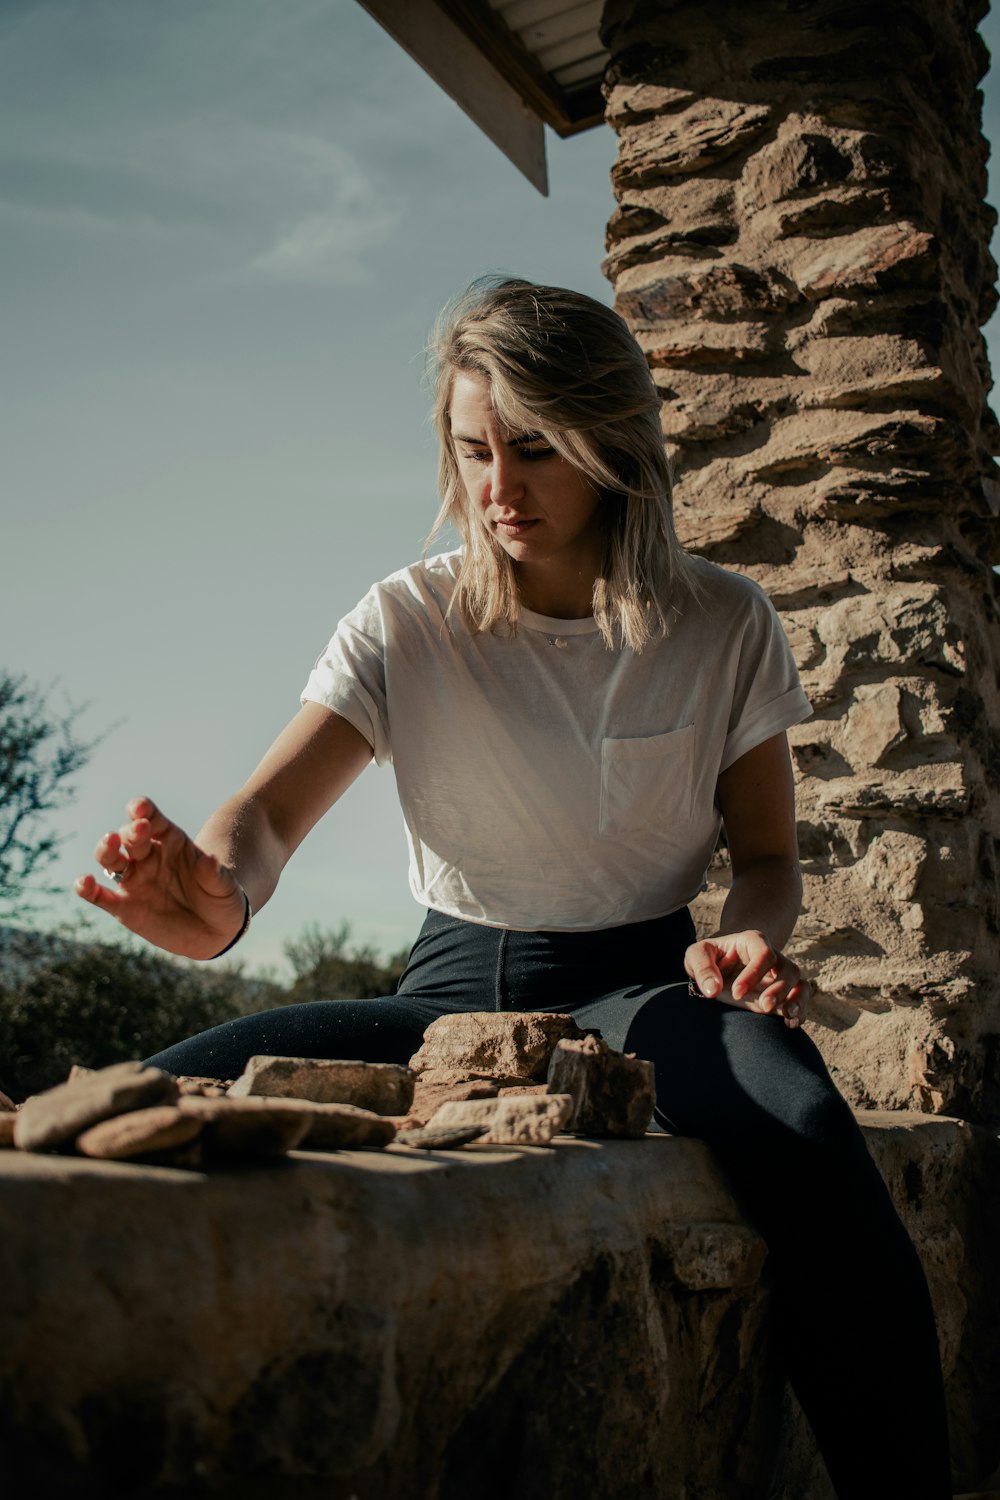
column 332, row 246
column 293, row 205
column 347, row 218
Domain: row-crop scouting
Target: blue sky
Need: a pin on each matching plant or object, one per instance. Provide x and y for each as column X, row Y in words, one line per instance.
column 225, row 231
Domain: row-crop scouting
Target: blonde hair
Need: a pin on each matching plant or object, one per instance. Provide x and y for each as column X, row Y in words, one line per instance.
column 565, row 366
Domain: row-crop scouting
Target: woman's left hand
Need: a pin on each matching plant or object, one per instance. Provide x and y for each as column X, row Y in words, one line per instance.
column 742, row 968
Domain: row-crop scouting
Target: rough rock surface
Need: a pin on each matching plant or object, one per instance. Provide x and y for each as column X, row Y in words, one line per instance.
column 211, row 1088
column 139, row 1133
column 524, row 1121
column 245, row 1332
column 441, row 1138
column 438, row 1085
column 55, row 1118
column 251, row 1128
column 801, row 247
column 487, row 1042
column 613, row 1093
column 332, row 1127
column 384, row 1088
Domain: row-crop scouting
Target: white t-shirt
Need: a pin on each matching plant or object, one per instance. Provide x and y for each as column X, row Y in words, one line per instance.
column 546, row 781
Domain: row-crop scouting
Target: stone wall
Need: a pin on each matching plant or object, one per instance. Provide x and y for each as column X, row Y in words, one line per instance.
column 801, row 248
column 505, row 1323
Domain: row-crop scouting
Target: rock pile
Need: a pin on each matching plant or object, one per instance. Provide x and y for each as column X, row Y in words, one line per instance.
column 499, row 1079
column 130, row 1111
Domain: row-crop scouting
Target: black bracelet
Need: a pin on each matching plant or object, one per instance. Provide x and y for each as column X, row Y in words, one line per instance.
column 247, row 914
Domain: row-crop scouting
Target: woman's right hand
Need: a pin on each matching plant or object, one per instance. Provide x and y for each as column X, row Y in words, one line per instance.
column 171, row 892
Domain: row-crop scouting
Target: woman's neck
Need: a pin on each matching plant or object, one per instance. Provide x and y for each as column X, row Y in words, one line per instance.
column 558, row 599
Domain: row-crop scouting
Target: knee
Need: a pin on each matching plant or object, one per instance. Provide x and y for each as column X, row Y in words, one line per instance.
column 820, row 1117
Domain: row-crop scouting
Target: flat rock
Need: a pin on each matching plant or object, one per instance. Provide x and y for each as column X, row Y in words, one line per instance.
column 55, row 1118
column 428, row 1097
column 247, row 1127
column 334, row 1127
column 433, row 1138
column 517, row 1046
column 450, row 1075
column 211, row 1088
column 509, row 1122
column 613, row 1093
column 142, row 1131
column 384, row 1088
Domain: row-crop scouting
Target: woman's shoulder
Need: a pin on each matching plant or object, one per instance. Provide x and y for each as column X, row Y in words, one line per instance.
column 422, row 586
column 409, row 596
column 439, row 570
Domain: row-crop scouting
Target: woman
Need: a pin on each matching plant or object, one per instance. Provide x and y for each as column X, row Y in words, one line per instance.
column 572, row 707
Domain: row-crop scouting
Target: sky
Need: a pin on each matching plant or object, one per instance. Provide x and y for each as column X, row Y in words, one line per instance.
column 226, row 229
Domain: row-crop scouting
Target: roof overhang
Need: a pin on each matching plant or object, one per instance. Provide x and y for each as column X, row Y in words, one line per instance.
column 514, row 66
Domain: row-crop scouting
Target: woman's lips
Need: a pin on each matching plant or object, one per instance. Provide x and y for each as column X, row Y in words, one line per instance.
column 516, row 528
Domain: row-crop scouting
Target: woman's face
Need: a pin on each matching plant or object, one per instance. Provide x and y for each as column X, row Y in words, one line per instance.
column 541, row 510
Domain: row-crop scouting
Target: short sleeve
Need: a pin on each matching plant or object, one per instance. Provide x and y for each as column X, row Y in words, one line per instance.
column 349, row 676
column 768, row 696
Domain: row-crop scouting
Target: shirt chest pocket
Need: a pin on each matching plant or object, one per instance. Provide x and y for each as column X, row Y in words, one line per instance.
column 647, row 783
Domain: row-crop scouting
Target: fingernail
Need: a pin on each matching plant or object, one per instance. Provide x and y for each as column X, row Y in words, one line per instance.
column 791, row 1010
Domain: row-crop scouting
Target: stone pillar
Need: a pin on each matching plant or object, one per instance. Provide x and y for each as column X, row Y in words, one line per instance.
column 801, row 248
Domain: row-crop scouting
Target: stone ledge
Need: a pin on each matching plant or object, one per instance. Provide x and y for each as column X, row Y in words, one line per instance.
column 394, row 1326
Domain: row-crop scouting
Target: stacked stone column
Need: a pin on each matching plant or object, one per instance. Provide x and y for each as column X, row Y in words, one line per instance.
column 800, row 246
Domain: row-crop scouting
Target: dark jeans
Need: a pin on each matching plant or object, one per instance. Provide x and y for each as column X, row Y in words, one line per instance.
column 850, row 1299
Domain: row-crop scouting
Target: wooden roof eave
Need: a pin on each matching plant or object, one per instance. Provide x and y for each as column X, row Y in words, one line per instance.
column 567, row 111
column 473, row 56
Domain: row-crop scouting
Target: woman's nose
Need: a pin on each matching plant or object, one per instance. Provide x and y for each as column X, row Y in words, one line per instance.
column 506, row 482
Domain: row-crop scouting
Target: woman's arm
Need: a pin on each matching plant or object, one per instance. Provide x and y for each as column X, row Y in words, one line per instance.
column 187, row 895
column 742, row 962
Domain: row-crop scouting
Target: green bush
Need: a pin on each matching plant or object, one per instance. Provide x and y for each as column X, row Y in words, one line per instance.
column 66, row 1001
column 326, row 968
column 98, row 1003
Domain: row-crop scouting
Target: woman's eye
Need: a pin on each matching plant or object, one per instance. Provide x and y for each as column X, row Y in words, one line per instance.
column 484, row 456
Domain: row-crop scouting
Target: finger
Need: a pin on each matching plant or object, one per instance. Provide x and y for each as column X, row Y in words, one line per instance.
column 108, row 851
column 91, row 890
column 137, row 838
column 701, row 962
column 144, row 807
column 756, row 970
column 776, row 991
column 796, row 1006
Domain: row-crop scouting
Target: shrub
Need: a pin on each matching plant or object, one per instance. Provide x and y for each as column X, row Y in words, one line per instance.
column 326, row 968
column 97, row 1003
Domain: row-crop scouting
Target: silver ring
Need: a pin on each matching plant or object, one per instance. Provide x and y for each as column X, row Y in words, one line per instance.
column 116, row 875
